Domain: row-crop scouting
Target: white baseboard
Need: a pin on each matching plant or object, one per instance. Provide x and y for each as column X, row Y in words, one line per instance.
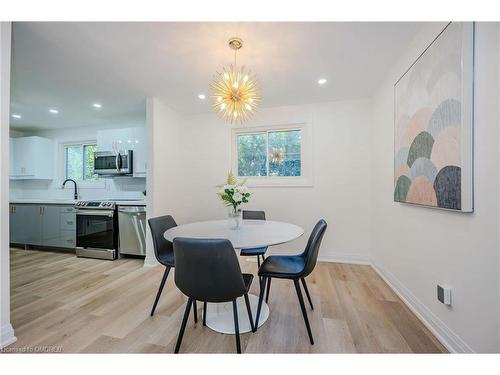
column 344, row 258
column 443, row 333
column 7, row 335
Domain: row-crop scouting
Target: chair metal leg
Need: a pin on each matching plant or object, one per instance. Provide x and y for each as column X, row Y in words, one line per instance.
column 183, row 325
column 268, row 289
column 307, row 292
column 236, row 327
column 258, row 261
column 162, row 284
column 195, row 312
column 303, row 308
column 249, row 310
column 204, row 313
column 261, row 297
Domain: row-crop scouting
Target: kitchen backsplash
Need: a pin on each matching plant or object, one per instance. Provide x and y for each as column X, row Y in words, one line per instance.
column 105, row 188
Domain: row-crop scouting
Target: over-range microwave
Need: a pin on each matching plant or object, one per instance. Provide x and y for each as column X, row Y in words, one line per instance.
column 113, row 162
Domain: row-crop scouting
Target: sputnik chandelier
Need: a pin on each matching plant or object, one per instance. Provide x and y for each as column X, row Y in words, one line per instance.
column 235, row 91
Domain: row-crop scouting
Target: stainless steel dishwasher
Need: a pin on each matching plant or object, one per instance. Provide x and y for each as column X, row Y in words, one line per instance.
column 132, row 230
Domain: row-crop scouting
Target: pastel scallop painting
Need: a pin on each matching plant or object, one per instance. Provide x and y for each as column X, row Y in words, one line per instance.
column 433, row 124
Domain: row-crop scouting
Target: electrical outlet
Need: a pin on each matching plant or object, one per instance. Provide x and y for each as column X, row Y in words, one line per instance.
column 444, row 295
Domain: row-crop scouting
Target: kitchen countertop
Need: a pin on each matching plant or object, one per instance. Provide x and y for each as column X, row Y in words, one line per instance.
column 139, row 202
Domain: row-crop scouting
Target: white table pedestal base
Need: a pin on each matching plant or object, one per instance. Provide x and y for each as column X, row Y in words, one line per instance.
column 220, row 315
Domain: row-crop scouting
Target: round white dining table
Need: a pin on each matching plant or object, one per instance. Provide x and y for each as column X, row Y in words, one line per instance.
column 251, row 234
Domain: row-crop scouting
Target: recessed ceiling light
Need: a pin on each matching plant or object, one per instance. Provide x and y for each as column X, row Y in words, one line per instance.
column 97, row 105
column 202, row 96
column 321, row 81
column 54, row 111
column 16, row 115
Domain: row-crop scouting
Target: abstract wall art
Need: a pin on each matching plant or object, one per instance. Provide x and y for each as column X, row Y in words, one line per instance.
column 433, row 121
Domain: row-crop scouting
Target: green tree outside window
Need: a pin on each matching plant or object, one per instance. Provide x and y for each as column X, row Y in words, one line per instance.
column 272, row 153
column 79, row 161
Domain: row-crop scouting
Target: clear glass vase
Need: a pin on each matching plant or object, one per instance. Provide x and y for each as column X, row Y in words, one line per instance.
column 235, row 218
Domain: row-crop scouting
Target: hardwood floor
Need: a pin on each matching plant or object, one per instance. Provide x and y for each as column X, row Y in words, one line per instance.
column 72, row 304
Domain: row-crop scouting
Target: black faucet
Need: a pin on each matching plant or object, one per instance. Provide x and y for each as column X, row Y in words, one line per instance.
column 73, row 181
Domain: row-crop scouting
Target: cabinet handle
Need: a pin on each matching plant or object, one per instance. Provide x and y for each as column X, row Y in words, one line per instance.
column 69, row 240
column 69, row 222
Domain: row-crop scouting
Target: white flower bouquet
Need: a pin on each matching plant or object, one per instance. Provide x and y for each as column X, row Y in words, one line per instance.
column 234, row 193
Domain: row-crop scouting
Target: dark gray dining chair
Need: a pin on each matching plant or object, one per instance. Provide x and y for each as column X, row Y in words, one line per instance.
column 164, row 252
column 293, row 267
column 258, row 251
column 208, row 270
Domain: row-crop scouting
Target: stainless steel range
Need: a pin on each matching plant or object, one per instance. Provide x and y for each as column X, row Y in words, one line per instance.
column 96, row 229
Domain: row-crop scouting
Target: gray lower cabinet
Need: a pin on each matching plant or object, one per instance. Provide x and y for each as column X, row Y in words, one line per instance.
column 25, row 224
column 51, row 226
column 47, row 225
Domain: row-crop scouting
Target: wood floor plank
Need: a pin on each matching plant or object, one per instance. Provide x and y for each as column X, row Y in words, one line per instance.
column 96, row 306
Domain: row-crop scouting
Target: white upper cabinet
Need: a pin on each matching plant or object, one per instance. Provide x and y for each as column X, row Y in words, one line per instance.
column 32, row 158
column 123, row 140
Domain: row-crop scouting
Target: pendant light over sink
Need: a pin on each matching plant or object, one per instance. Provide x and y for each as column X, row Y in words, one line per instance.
column 235, row 91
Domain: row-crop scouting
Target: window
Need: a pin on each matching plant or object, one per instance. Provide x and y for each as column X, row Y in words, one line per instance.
column 79, row 161
column 273, row 155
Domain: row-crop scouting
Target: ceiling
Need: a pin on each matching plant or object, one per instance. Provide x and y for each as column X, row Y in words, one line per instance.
column 70, row 66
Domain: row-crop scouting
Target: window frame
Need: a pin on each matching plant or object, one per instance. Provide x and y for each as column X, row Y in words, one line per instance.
column 304, row 180
column 99, row 183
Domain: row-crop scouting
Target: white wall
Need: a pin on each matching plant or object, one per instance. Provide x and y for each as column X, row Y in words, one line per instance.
column 162, row 134
column 341, row 186
column 104, row 188
column 6, row 332
column 417, row 248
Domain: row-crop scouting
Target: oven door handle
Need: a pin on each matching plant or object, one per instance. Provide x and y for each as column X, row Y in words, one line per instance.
column 95, row 213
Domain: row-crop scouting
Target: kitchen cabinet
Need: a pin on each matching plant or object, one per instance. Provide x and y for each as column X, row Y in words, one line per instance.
column 140, row 153
column 43, row 225
column 51, row 226
column 25, row 224
column 123, row 140
column 32, row 158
